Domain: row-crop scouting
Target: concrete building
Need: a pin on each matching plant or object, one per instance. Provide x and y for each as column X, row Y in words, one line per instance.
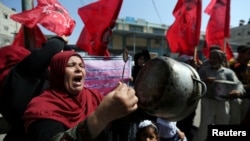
column 241, row 33
column 137, row 34
column 8, row 27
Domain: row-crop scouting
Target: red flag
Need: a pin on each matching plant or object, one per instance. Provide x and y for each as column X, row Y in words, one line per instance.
column 184, row 34
column 99, row 18
column 37, row 33
column 218, row 27
column 50, row 14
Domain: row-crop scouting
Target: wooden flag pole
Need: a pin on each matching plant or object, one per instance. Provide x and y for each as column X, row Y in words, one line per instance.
column 195, row 57
column 225, row 45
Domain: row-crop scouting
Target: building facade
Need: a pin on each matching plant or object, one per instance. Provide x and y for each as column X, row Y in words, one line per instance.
column 241, row 33
column 8, row 27
column 138, row 34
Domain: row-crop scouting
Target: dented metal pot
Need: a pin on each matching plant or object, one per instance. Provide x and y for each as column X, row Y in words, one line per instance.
column 168, row 88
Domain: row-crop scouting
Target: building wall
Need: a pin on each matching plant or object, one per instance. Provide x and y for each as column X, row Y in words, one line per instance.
column 117, row 42
column 8, row 27
column 138, row 34
column 241, row 34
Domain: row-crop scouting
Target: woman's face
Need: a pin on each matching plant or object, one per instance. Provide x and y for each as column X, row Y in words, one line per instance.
column 74, row 75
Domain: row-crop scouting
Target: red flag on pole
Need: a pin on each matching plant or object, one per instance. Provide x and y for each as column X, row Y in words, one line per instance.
column 184, row 34
column 37, row 33
column 99, row 18
column 218, row 27
column 50, row 14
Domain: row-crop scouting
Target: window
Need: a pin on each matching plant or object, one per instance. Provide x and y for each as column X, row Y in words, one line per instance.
column 158, row 31
column 136, row 28
column 5, row 15
column 6, row 28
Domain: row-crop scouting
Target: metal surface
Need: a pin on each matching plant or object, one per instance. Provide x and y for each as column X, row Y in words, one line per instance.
column 29, row 35
column 168, row 88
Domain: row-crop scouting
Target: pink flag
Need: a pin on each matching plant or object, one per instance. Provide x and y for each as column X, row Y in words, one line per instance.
column 99, row 18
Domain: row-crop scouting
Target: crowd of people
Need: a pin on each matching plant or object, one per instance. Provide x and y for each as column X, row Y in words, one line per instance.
column 43, row 97
column 232, row 108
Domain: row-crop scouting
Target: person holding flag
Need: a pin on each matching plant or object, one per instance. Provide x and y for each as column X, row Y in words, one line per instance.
column 218, row 27
column 23, row 68
column 23, row 75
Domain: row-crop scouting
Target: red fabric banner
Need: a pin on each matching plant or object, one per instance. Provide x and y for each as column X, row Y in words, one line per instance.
column 50, row 14
column 218, row 27
column 36, row 32
column 184, row 34
column 99, row 17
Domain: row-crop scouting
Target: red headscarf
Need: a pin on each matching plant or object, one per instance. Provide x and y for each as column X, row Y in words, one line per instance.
column 10, row 56
column 56, row 103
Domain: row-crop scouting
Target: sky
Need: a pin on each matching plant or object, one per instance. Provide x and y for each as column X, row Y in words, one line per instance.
column 153, row 11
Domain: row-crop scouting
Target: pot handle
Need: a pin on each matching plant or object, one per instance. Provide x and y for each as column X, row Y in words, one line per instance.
column 204, row 87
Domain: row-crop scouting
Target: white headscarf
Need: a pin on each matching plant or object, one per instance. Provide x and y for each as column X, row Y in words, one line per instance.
column 146, row 123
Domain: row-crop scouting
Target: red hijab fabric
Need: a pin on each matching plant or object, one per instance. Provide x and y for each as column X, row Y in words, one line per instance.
column 10, row 56
column 56, row 103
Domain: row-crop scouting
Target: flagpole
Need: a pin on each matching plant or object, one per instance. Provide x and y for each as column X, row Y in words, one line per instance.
column 29, row 39
column 225, row 45
column 195, row 56
column 134, row 44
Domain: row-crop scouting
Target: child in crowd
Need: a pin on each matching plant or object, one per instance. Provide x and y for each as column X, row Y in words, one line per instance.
column 147, row 131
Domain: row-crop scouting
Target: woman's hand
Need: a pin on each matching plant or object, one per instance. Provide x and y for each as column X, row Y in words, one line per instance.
column 116, row 104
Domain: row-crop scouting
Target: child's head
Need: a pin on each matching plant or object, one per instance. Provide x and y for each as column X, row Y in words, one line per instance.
column 147, row 131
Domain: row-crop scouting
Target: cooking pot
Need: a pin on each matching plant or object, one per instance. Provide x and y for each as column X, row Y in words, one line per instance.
column 168, row 88
column 222, row 88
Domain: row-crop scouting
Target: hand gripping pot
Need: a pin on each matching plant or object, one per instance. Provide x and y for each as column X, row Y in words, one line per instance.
column 168, row 88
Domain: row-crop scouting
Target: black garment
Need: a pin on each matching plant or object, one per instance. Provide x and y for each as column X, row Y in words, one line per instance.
column 124, row 129
column 48, row 130
column 186, row 125
column 135, row 71
column 240, row 71
column 45, row 129
column 136, row 68
column 243, row 73
column 26, row 79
